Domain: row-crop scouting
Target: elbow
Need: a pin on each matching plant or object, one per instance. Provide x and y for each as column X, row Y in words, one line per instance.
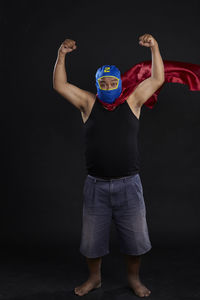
column 160, row 81
column 57, row 86
column 54, row 86
column 162, row 78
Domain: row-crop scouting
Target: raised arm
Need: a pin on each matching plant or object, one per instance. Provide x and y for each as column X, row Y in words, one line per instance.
column 78, row 97
column 147, row 87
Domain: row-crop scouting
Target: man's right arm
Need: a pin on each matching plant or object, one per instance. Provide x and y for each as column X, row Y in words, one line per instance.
column 78, row 97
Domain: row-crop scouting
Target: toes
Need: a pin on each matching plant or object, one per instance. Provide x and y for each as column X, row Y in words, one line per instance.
column 82, row 293
column 144, row 294
column 78, row 293
column 147, row 293
column 77, row 290
column 140, row 294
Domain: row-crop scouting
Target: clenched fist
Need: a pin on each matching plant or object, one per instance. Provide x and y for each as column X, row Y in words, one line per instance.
column 67, row 46
column 147, row 40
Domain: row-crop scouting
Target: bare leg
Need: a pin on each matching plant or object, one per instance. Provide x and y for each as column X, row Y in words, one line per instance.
column 94, row 280
column 133, row 266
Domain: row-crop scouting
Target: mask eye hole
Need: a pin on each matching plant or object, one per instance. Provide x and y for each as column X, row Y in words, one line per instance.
column 102, row 85
column 113, row 84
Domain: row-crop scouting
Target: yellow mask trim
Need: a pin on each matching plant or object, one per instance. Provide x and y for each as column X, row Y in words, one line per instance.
column 109, row 89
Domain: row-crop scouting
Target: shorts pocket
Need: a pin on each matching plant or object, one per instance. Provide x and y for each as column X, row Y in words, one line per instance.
column 138, row 183
column 85, row 186
column 134, row 194
column 89, row 193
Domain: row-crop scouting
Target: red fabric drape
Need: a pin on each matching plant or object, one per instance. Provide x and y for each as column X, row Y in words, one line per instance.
column 175, row 71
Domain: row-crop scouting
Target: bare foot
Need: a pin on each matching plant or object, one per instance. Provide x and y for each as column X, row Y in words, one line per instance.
column 139, row 289
column 87, row 286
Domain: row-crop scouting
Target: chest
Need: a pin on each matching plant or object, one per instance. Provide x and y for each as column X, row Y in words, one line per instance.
column 85, row 114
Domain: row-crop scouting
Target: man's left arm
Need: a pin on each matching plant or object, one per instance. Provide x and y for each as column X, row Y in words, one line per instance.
column 147, row 87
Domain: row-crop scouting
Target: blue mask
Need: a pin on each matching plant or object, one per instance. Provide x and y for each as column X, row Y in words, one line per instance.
column 110, row 95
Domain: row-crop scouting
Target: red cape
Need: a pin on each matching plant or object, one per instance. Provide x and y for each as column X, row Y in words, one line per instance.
column 175, row 71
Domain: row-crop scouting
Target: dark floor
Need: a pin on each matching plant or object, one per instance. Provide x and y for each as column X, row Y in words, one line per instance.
column 169, row 273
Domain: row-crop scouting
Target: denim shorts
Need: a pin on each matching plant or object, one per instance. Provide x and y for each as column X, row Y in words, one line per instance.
column 121, row 200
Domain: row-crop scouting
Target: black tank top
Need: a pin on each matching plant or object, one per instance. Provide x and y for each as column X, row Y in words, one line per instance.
column 111, row 141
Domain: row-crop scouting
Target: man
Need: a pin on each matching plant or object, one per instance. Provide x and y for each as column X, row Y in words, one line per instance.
column 113, row 188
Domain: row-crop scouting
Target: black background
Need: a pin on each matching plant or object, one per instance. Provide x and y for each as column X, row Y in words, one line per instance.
column 42, row 158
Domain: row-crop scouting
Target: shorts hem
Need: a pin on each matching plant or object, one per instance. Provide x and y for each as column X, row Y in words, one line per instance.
column 136, row 253
column 94, row 256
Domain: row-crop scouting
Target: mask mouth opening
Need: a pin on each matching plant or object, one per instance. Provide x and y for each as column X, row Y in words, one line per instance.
column 110, row 88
